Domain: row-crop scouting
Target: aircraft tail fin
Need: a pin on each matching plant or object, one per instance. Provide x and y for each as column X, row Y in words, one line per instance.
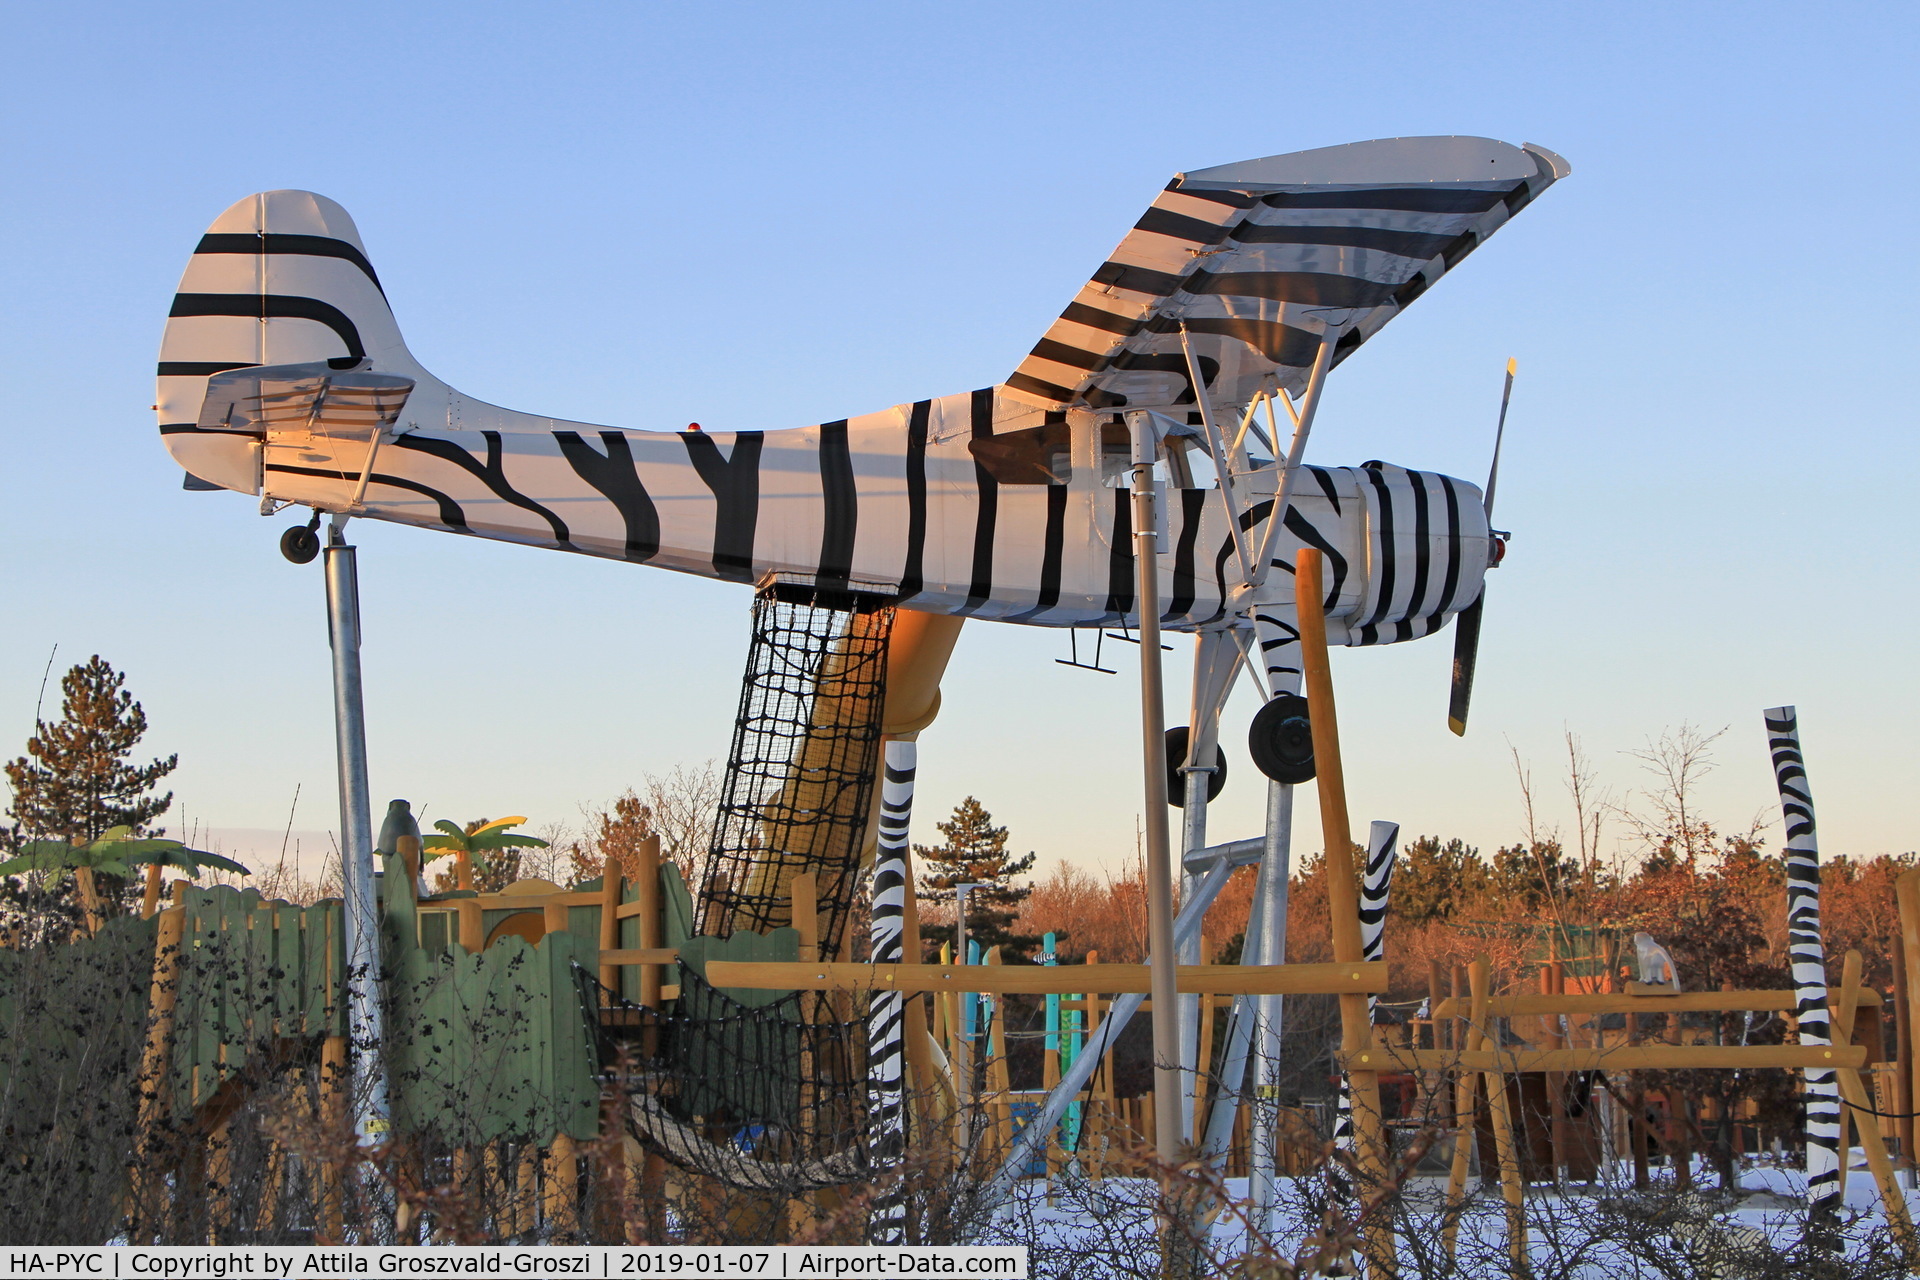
column 281, row 278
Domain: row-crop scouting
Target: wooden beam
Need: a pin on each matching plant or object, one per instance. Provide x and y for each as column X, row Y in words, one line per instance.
column 516, row 901
column 1686, row 1002
column 638, row 955
column 1646, row 1057
column 1106, row 979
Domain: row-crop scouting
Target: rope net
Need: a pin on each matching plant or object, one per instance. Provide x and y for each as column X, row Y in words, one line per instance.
column 762, row 1096
column 799, row 784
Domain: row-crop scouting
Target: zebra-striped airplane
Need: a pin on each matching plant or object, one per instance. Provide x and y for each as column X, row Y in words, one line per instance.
column 283, row 375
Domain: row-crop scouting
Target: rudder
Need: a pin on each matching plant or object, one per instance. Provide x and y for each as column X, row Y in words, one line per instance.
column 280, row 278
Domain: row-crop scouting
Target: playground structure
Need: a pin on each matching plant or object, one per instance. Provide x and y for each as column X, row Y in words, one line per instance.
column 755, row 1045
column 535, row 981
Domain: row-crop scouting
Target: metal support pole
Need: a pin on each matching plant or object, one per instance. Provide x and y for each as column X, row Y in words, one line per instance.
column 1193, row 835
column 1153, row 730
column 356, row 842
column 1270, row 918
column 1316, row 383
column 1100, row 1042
column 1216, row 656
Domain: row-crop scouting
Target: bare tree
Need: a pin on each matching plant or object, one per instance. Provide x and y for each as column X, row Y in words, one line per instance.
column 1678, row 759
column 679, row 807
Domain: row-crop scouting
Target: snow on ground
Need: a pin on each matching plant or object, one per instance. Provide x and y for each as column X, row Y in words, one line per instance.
column 1108, row 1229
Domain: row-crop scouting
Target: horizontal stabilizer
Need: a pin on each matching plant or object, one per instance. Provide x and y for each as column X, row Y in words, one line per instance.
column 303, row 397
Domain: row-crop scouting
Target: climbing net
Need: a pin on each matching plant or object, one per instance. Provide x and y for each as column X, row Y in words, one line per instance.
column 799, row 784
column 759, row 1094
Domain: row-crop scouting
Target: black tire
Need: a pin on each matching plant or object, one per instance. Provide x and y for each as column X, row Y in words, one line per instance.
column 1177, row 756
column 300, row 544
column 1280, row 740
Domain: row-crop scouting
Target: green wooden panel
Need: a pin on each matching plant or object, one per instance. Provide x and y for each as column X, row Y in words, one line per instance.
column 676, row 905
column 576, row 1052
column 727, row 1058
column 289, row 957
column 236, row 1003
column 208, row 1007
column 400, row 926
column 336, row 978
column 314, row 933
column 584, row 924
column 436, row 930
column 262, row 994
column 629, row 939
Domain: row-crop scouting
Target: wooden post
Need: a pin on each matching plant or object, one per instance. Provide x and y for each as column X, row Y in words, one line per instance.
column 150, row 901
column 1854, row 1091
column 561, row 1175
column 647, row 900
column 611, row 884
column 998, row 1079
column 1907, row 894
column 1205, row 1064
column 1559, row 1138
column 1511, row 1188
column 524, row 1184
column 1101, row 1104
column 96, row 914
column 1433, row 1004
column 1842, row 1014
column 219, row 1183
column 333, row 1116
column 156, row 1084
column 554, row 916
column 473, row 926
column 1902, row 1053
column 1466, row 1124
column 409, row 849
column 1343, row 902
column 806, row 914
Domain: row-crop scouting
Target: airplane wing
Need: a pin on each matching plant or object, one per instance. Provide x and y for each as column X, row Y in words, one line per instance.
column 1258, row 259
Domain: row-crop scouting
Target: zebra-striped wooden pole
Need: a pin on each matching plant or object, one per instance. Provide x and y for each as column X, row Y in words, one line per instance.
column 1807, row 956
column 886, row 1010
column 1383, row 851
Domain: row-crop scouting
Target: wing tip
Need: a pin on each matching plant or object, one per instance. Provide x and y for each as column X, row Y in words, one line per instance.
column 1458, row 726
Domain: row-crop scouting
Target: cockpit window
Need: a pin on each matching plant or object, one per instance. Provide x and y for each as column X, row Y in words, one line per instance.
column 1184, row 462
column 1035, row 455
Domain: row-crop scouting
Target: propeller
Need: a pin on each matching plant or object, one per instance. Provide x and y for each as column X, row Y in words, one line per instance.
column 1466, row 627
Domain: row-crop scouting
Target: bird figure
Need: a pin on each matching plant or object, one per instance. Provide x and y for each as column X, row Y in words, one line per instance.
column 1656, row 962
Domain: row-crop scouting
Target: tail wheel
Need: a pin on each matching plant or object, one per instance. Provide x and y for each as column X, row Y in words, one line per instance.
column 301, row 543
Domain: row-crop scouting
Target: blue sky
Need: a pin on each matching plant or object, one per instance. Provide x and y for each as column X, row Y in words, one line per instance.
column 766, row 216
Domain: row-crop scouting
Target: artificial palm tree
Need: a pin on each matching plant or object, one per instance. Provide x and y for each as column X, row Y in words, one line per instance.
column 479, row 837
column 116, row 853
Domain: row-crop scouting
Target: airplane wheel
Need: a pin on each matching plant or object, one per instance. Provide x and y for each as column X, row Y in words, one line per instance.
column 1177, row 756
column 300, row 544
column 1280, row 740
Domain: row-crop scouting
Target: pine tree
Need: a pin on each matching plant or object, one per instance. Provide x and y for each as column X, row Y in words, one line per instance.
column 976, row 852
column 77, row 779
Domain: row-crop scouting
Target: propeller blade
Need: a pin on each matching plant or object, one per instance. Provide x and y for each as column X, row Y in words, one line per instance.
column 1466, row 652
column 1499, row 434
column 1466, row 626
